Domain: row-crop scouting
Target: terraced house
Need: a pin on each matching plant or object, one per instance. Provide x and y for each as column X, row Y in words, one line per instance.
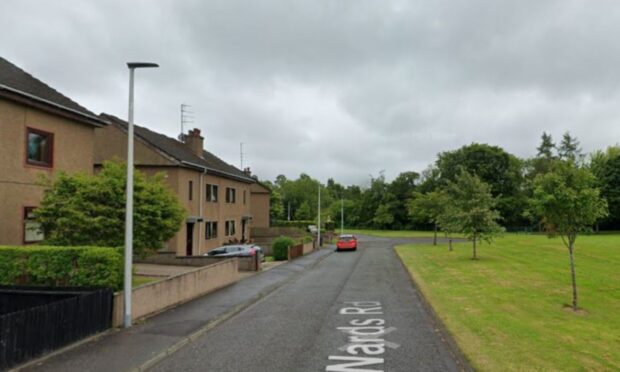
column 42, row 132
column 216, row 195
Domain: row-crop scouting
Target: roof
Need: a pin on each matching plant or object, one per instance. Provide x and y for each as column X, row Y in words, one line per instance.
column 182, row 153
column 19, row 85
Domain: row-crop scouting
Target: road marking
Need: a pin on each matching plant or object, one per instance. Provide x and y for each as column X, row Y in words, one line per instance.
column 365, row 336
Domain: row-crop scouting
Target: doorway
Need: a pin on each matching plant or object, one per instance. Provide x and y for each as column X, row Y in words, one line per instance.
column 189, row 239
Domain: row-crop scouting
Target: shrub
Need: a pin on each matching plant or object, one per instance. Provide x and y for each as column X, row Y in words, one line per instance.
column 61, row 266
column 307, row 239
column 280, row 247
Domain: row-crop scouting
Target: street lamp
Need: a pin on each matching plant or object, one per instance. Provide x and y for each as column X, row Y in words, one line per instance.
column 129, row 201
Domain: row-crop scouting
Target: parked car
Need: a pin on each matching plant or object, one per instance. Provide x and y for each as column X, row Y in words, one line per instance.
column 346, row 242
column 237, row 250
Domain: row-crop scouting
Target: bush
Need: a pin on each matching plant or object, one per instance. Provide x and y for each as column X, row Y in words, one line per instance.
column 307, row 239
column 61, row 266
column 280, row 247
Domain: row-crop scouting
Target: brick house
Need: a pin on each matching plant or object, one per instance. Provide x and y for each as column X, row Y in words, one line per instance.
column 41, row 132
column 215, row 194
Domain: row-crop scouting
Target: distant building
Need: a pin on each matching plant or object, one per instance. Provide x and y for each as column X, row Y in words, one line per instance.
column 216, row 195
column 42, row 132
column 260, row 206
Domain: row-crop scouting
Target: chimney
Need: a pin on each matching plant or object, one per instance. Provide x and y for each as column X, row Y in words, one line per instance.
column 247, row 171
column 195, row 141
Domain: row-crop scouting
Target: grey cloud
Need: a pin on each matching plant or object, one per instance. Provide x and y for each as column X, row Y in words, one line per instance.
column 338, row 89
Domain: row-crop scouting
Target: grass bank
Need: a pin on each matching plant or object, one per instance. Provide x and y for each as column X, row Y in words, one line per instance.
column 507, row 311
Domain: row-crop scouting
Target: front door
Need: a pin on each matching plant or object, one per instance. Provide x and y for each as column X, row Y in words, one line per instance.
column 190, row 239
column 243, row 221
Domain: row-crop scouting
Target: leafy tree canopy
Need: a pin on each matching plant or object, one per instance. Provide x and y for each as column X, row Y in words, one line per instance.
column 84, row 209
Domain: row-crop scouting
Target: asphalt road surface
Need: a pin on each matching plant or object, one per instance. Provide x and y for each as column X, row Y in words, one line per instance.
column 355, row 311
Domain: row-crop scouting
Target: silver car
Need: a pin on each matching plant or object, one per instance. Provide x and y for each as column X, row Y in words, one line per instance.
column 237, row 250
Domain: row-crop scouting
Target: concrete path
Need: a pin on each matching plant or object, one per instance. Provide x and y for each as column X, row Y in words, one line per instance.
column 149, row 342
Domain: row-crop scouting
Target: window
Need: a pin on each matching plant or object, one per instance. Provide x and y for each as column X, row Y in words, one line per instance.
column 229, row 228
column 32, row 229
column 243, row 197
column 212, row 193
column 191, row 190
column 230, row 195
column 39, row 148
column 211, row 230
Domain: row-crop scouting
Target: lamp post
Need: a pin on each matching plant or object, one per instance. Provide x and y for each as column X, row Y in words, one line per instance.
column 129, row 199
column 319, row 218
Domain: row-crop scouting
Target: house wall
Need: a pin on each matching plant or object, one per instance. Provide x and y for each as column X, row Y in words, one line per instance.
column 72, row 152
column 111, row 142
column 260, row 206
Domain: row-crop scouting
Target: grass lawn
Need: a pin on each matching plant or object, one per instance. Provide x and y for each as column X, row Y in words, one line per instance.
column 507, row 309
column 269, row 259
column 138, row 280
column 397, row 233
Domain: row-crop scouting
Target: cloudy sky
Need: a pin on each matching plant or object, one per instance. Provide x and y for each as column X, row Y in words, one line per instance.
column 335, row 88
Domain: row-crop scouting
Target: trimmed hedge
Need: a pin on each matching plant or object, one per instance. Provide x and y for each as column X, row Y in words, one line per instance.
column 61, row 266
column 302, row 224
column 280, row 247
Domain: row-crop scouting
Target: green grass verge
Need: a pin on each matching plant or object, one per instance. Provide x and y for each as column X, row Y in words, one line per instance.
column 138, row 280
column 396, row 233
column 507, row 310
column 269, row 259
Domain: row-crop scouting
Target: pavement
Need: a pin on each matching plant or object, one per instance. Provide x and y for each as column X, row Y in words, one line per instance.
column 346, row 311
column 143, row 344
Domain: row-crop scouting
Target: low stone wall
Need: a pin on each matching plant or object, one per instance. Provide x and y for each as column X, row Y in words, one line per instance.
column 154, row 297
column 245, row 263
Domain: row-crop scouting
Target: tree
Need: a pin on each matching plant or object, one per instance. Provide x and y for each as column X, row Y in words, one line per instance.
column 569, row 148
column 545, row 150
column 304, row 212
column 428, row 208
column 567, row 203
column 494, row 166
column 402, row 187
column 449, row 221
column 383, row 217
column 473, row 208
column 90, row 210
column 606, row 168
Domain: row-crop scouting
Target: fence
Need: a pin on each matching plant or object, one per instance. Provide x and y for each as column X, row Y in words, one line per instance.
column 35, row 320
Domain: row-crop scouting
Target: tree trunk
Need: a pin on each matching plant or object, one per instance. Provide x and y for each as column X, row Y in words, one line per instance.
column 571, row 248
column 450, row 244
column 435, row 235
column 475, row 256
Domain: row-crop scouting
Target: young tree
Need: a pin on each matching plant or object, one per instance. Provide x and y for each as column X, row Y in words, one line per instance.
column 474, row 205
column 90, row 210
column 568, row 203
column 449, row 221
column 428, row 208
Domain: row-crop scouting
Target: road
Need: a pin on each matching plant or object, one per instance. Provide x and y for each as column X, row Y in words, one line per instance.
column 355, row 311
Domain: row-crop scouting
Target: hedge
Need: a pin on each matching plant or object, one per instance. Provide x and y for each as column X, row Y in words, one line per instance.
column 303, row 224
column 61, row 266
column 280, row 247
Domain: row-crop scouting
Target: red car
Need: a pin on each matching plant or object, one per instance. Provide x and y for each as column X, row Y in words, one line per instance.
column 346, row 242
